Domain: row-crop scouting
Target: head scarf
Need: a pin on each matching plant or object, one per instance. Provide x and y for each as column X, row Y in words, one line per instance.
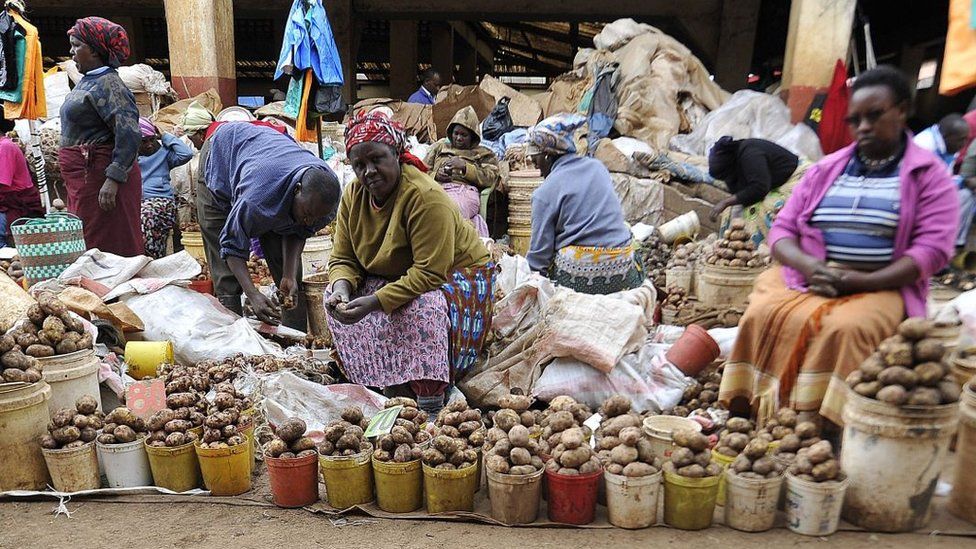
column 146, row 126
column 196, row 118
column 554, row 135
column 104, row 37
column 721, row 158
column 375, row 126
column 16, row 4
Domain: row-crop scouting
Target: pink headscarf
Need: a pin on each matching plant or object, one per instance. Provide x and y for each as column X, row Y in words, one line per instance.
column 146, row 126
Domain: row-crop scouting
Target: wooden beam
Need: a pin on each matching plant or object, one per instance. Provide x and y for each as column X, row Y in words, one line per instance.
column 510, row 57
column 543, row 10
column 534, row 52
column 736, row 42
column 469, row 35
column 701, row 37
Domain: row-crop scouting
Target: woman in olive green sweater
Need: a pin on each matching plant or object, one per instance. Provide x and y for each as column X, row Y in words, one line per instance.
column 411, row 295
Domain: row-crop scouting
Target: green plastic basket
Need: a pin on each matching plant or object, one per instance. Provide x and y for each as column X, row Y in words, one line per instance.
column 48, row 245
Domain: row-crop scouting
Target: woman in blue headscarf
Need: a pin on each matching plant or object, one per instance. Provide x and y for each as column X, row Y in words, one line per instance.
column 579, row 237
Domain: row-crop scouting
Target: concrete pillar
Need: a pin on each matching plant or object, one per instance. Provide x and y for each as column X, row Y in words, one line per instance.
column 467, row 61
column 442, row 50
column 347, row 30
column 737, row 38
column 201, row 47
column 912, row 57
column 819, row 34
column 403, row 59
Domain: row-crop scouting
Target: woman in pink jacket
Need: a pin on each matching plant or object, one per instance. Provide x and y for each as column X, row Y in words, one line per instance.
column 855, row 245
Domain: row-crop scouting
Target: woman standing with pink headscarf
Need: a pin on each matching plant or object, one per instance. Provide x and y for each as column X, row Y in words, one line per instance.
column 157, row 156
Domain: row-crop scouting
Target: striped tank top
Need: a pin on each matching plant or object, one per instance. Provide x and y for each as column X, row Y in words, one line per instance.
column 859, row 214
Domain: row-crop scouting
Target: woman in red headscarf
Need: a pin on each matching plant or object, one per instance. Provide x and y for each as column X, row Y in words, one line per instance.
column 411, row 296
column 100, row 141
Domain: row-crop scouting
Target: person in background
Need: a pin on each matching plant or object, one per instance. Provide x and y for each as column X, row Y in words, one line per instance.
column 412, row 284
column 579, row 237
column 259, row 183
column 18, row 195
column 946, row 140
column 856, row 244
column 463, row 167
column 760, row 175
column 430, row 84
column 100, row 141
column 194, row 123
column 159, row 154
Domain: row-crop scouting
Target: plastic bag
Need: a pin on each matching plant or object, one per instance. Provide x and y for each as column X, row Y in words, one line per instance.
column 286, row 395
column 498, row 122
column 645, row 377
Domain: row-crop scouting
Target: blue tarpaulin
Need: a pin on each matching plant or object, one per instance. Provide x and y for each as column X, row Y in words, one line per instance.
column 309, row 43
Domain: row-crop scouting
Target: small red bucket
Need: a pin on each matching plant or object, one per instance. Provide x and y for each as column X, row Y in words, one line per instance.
column 693, row 351
column 203, row 286
column 572, row 499
column 294, row 481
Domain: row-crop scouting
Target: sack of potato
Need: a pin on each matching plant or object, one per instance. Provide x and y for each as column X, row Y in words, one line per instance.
column 290, row 442
column 405, row 442
column 735, row 249
column 344, row 437
column 692, row 457
column 49, row 330
column 816, row 463
column 121, row 426
column 908, row 369
column 573, row 456
column 74, row 427
column 222, row 428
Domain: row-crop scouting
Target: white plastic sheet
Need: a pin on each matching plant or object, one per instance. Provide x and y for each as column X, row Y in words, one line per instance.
column 287, row 395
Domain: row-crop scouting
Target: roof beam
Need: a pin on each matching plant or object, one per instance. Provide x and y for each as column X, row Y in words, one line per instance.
column 464, row 30
column 535, row 52
column 543, row 10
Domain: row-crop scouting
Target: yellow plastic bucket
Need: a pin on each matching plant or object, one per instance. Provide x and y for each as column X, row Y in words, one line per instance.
column 143, row 357
column 176, row 469
column 399, row 486
column 348, row 479
column 689, row 503
column 73, row 469
column 225, row 471
column 447, row 490
column 193, row 244
column 247, row 429
column 724, row 461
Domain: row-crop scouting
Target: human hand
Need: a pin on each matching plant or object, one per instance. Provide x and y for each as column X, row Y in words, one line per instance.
column 107, row 194
column 443, row 175
column 264, row 309
column 288, row 292
column 719, row 208
column 341, row 293
column 357, row 309
column 456, row 163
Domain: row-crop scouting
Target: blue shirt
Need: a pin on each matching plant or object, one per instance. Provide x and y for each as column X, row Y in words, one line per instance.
column 575, row 206
column 252, row 172
column 156, row 167
column 422, row 97
column 309, row 43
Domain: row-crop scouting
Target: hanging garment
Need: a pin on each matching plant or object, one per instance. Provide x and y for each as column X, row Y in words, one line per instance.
column 305, row 125
column 309, row 43
column 959, row 63
column 16, row 94
column 33, row 104
column 603, row 107
column 834, row 133
column 9, row 75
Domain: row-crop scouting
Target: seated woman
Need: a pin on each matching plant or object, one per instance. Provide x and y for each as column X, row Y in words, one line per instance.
column 579, row 237
column 411, row 297
column 760, row 175
column 857, row 242
column 463, row 167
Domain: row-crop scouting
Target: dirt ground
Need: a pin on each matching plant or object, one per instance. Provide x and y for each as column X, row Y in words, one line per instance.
column 28, row 525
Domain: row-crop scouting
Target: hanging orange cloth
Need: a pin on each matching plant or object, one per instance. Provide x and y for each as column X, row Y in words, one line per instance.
column 959, row 63
column 33, row 104
column 303, row 131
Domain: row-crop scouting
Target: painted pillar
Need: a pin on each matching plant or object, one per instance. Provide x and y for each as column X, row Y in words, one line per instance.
column 819, row 35
column 201, row 47
column 403, row 59
column 442, row 50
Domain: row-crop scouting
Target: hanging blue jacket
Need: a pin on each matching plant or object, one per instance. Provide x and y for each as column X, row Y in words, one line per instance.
column 309, row 43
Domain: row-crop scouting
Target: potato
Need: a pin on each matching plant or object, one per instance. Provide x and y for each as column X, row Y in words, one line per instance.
column 291, row 429
column 624, row 454
column 180, row 400
column 899, row 375
column 444, row 444
column 591, row 466
column 855, row 378
column 471, row 415
column 737, row 441
column 520, row 470
column 468, row 427
column 786, row 417
column 326, row 447
column 692, row 471
column 950, row 391
column 898, row 354
column 519, row 437
column 820, row 452
column 930, row 373
column 177, row 425
column 352, row 415
column 382, row 455
column 738, row 425
column 868, row 389
column 229, row 431
column 893, row 394
column 825, row 471
column 497, row 464
column 86, row 405
column 175, row 439
column 516, row 403
column 106, row 439
column 789, row 444
column 520, row 456
column 924, row 396
column 560, row 421
column 645, row 451
column 572, row 438
column 505, row 419
column 929, row 350
column 615, row 406
column 573, row 458
column 630, row 435
column 63, row 417
column 400, row 401
column 756, row 449
column 476, row 438
column 692, row 440
column 25, row 340
column 703, row 458
column 527, row 418
column 124, row 433
column 305, row 443
column 763, row 465
column 914, row 329
column 682, row 457
column 403, row 454
column 39, row 351
column 741, row 464
column 807, row 429
column 49, row 443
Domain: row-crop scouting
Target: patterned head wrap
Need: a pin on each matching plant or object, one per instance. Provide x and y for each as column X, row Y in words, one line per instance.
column 146, row 126
column 554, row 135
column 104, row 37
column 196, row 118
column 377, row 127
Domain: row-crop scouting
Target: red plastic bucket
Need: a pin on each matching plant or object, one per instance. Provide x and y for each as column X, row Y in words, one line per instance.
column 294, row 481
column 572, row 500
column 693, row 351
column 202, row 286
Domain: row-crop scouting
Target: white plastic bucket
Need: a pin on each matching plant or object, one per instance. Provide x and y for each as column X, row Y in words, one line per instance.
column 659, row 429
column 750, row 504
column 71, row 377
column 73, row 469
column 632, row 501
column 682, row 228
column 679, row 277
column 315, row 256
column 126, row 465
column 813, row 508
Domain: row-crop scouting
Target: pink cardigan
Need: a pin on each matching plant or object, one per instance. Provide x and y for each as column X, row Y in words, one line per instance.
column 926, row 229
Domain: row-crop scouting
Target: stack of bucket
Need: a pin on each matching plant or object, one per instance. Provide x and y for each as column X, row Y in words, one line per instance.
column 521, row 185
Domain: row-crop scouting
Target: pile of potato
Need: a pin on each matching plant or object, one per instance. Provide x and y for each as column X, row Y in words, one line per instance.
column 738, row 432
column 805, row 435
column 15, row 365
column 14, row 268
column 222, row 428
column 563, row 413
column 182, row 379
column 816, row 463
column 74, row 427
column 691, row 458
column 684, row 255
column 754, row 461
column 344, row 437
column 171, row 428
column 907, row 369
column 450, row 452
column 617, row 416
column 572, row 455
column 735, row 249
column 121, row 426
column 229, row 368
column 457, row 420
column 654, row 254
column 701, row 395
column 259, row 271
column 50, row 329
column 677, row 298
column 623, row 448
column 405, row 442
column 509, row 448
column 290, row 441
